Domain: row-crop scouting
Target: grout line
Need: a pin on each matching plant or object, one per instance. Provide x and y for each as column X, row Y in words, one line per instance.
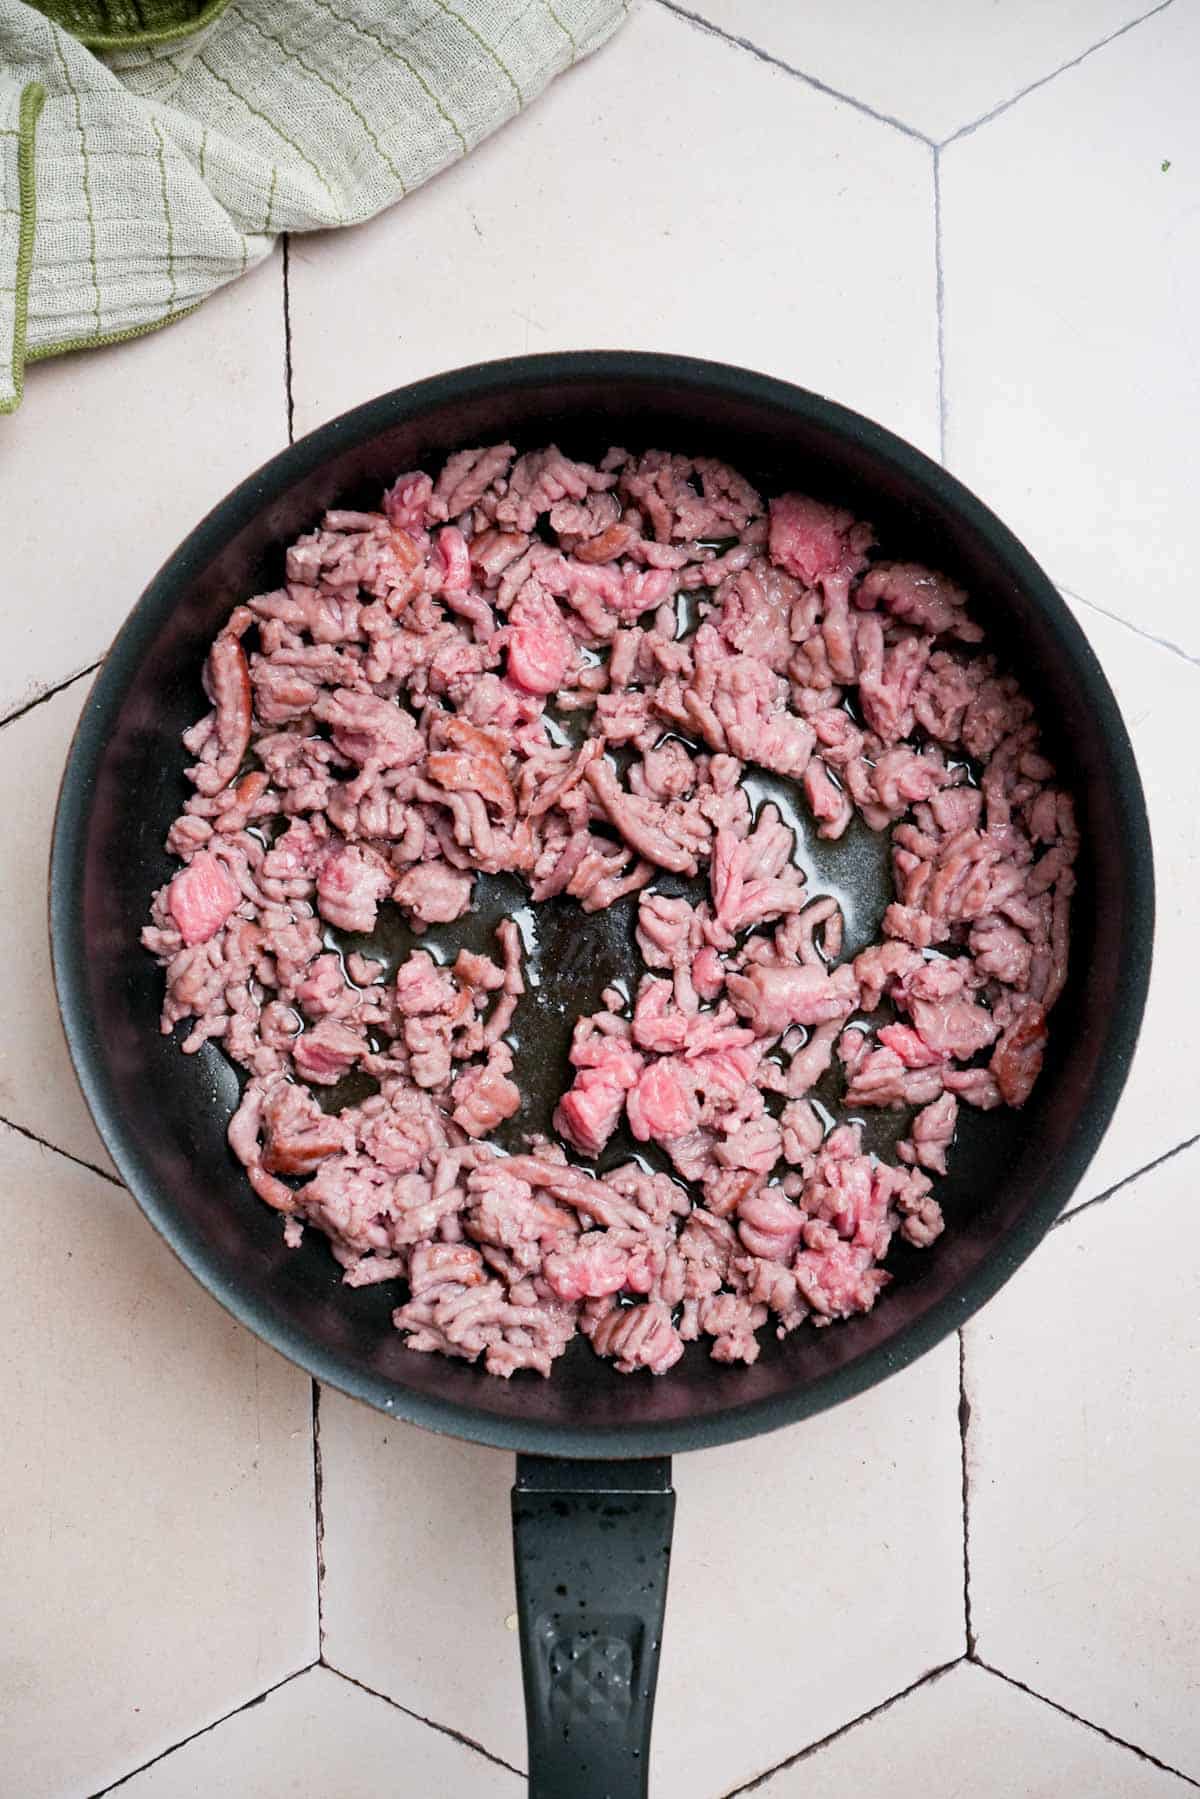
column 39, row 699
column 55, row 1149
column 777, row 62
column 964, row 1425
column 204, row 1730
column 987, row 117
column 941, row 302
column 287, row 337
column 1088, row 1724
column 319, row 1513
column 445, row 1730
column 844, row 1729
column 1125, row 1181
column 1163, row 643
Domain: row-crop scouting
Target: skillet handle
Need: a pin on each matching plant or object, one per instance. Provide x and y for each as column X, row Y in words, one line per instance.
column 592, row 1542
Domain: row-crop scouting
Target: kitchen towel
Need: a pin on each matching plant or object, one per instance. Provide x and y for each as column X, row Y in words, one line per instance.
column 152, row 150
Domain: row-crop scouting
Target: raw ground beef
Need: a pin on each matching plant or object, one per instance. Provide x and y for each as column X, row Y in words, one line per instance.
column 536, row 667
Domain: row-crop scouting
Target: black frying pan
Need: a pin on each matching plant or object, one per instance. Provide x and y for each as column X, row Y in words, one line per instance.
column 592, row 1503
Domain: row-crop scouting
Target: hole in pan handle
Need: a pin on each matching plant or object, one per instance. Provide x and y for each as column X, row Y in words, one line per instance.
column 592, row 1543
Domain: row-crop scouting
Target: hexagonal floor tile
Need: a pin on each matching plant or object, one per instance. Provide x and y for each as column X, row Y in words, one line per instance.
column 157, row 1556
column 968, row 1733
column 795, row 1600
column 1157, row 1111
column 671, row 193
column 319, row 1735
column 1084, row 1461
column 1072, row 283
column 37, row 1083
column 114, row 455
column 945, row 67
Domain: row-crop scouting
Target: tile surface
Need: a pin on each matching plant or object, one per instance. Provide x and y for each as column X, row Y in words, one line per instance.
column 114, row 456
column 1072, row 262
column 1083, row 1580
column 935, row 67
column 585, row 224
column 809, row 1524
column 38, row 1089
column 1160, row 1106
column 318, row 1735
column 968, row 1735
column 157, row 1553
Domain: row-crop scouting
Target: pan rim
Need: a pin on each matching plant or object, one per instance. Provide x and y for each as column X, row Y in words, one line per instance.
column 460, row 1418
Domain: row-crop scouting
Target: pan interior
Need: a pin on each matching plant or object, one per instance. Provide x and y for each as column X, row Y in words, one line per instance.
column 164, row 1115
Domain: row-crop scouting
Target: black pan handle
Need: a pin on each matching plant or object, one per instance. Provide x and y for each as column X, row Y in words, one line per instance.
column 592, row 1542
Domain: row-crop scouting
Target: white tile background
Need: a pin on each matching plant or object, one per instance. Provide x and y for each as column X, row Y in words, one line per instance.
column 954, row 216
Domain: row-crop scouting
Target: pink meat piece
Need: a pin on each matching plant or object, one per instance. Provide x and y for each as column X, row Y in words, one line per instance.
column 976, row 1086
column 201, row 897
column 850, row 1194
column 668, row 930
column 755, row 1143
column 351, row 882
column 755, row 611
column 1001, row 951
column 366, row 728
column 423, row 988
column 811, row 1060
column 732, row 1320
column 638, row 1337
column 593, row 1267
column 750, row 878
column 590, row 1110
column 802, row 1132
column 830, row 806
column 918, row 596
column 434, row 1265
column 953, row 1027
column 882, row 1079
column 877, row 967
column 808, row 539
column 538, row 481
column 648, row 828
column 888, row 679
column 662, row 1107
column 505, row 1212
column 467, row 478
column 328, row 1051
column 452, row 560
column 540, row 648
column 406, row 502
column 483, row 1097
column 932, row 1134
column 658, row 1023
column 684, row 498
column 910, row 1046
column 770, row 1225
column 708, row 973
column 433, row 893
column 901, row 777
column 839, row 1280
column 772, row 996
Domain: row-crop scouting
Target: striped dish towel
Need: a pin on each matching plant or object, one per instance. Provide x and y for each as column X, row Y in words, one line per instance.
column 152, row 150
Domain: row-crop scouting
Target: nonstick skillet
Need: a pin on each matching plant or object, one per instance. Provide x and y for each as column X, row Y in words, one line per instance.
column 592, row 1503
